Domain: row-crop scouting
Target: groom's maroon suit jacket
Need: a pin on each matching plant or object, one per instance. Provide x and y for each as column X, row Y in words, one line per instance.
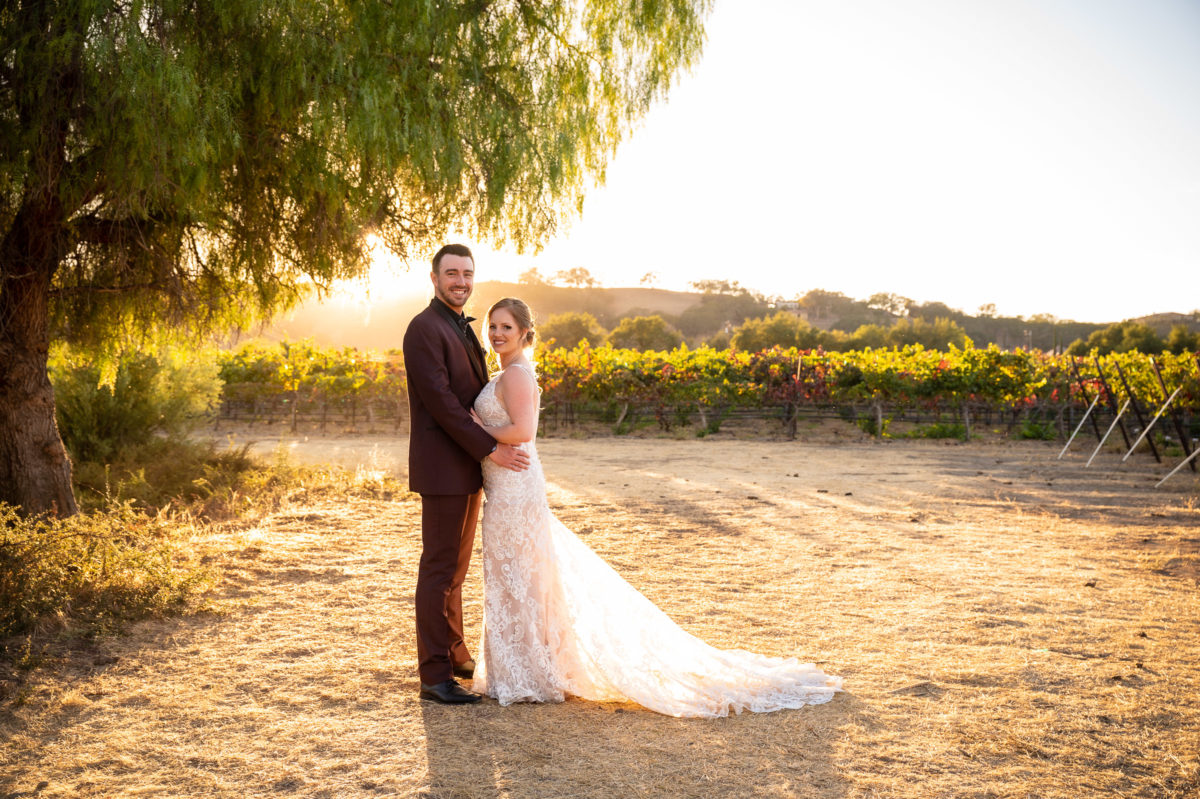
column 446, row 370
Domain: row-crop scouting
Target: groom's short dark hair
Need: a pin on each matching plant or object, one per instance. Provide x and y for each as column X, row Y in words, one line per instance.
column 461, row 250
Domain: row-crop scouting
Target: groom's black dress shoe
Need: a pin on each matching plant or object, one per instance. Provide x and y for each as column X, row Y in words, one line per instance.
column 466, row 669
column 448, row 693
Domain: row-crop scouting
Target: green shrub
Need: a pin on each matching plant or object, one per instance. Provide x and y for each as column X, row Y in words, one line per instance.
column 871, row 427
column 938, row 430
column 149, row 396
column 1038, row 431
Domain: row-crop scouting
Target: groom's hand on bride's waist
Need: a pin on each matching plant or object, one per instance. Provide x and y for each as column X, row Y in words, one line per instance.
column 510, row 457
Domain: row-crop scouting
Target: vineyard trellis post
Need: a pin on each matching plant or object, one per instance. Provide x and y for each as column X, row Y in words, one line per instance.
column 1116, row 421
column 1083, row 392
column 1147, row 428
column 1111, row 398
column 1185, row 438
column 1087, row 415
column 793, row 406
column 1137, row 411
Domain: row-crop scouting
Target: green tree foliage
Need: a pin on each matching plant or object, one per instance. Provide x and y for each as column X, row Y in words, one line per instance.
column 1119, row 337
column 837, row 311
column 781, row 330
column 867, row 337
column 716, row 311
column 833, row 306
column 570, row 329
column 167, row 163
column 1181, row 340
column 787, row 330
column 892, row 304
column 645, row 333
column 934, row 310
column 718, row 341
column 939, row 334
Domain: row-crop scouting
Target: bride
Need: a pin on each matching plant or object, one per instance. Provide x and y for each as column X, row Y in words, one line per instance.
column 558, row 621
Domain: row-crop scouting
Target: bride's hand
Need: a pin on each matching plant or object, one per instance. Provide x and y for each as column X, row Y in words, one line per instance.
column 478, row 421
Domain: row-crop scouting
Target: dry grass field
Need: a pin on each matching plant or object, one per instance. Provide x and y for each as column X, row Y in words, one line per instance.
column 1008, row 625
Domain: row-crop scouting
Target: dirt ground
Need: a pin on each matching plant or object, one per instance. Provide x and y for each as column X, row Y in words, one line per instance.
column 1007, row 625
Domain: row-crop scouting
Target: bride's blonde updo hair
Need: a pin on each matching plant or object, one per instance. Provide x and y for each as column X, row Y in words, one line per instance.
column 521, row 315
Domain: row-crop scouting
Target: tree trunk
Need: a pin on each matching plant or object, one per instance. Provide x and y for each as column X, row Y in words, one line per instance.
column 35, row 472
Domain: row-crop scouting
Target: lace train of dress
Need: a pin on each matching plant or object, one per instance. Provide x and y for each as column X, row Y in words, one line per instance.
column 559, row 621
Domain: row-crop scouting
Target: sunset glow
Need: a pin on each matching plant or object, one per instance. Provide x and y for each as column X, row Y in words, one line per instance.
column 1023, row 154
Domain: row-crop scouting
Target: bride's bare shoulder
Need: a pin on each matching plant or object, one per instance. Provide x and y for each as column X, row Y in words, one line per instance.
column 518, row 373
column 516, row 378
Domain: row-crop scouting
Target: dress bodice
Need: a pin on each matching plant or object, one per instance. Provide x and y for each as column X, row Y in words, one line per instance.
column 488, row 406
column 497, row 479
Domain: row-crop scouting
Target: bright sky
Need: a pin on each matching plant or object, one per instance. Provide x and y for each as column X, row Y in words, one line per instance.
column 1040, row 155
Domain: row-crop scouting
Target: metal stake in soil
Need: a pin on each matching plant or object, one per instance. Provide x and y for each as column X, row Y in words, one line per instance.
column 1079, row 427
column 1146, row 430
column 1120, row 413
column 1185, row 462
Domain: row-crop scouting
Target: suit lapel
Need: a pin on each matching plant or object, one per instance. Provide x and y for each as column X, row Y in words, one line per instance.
column 467, row 337
column 475, row 350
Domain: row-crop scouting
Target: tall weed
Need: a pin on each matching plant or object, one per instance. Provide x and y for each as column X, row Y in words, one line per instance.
column 92, row 572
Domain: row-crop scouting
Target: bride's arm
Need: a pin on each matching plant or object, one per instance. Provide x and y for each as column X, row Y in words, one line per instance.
column 518, row 392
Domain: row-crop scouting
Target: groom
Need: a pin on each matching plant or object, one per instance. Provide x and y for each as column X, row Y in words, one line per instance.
column 446, row 370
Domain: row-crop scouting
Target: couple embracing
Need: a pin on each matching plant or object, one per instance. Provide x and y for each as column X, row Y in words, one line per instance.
column 557, row 620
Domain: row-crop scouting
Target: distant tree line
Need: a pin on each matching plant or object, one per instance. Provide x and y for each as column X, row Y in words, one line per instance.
column 1137, row 337
column 781, row 329
column 730, row 315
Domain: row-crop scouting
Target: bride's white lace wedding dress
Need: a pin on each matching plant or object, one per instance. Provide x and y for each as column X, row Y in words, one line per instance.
column 558, row 621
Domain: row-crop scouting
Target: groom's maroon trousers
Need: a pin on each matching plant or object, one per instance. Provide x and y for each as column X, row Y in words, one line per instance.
column 445, row 369
column 447, row 538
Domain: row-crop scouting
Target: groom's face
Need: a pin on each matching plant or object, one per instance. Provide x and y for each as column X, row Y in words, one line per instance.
column 453, row 280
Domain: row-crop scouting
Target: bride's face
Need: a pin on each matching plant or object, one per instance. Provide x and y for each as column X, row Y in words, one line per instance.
column 503, row 333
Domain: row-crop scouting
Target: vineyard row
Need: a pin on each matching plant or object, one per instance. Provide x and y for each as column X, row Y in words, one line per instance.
column 299, row 382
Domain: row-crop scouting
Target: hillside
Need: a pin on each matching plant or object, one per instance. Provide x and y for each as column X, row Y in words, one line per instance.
column 346, row 322
column 1163, row 322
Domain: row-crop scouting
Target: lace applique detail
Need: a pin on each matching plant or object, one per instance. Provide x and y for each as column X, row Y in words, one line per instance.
column 558, row 621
